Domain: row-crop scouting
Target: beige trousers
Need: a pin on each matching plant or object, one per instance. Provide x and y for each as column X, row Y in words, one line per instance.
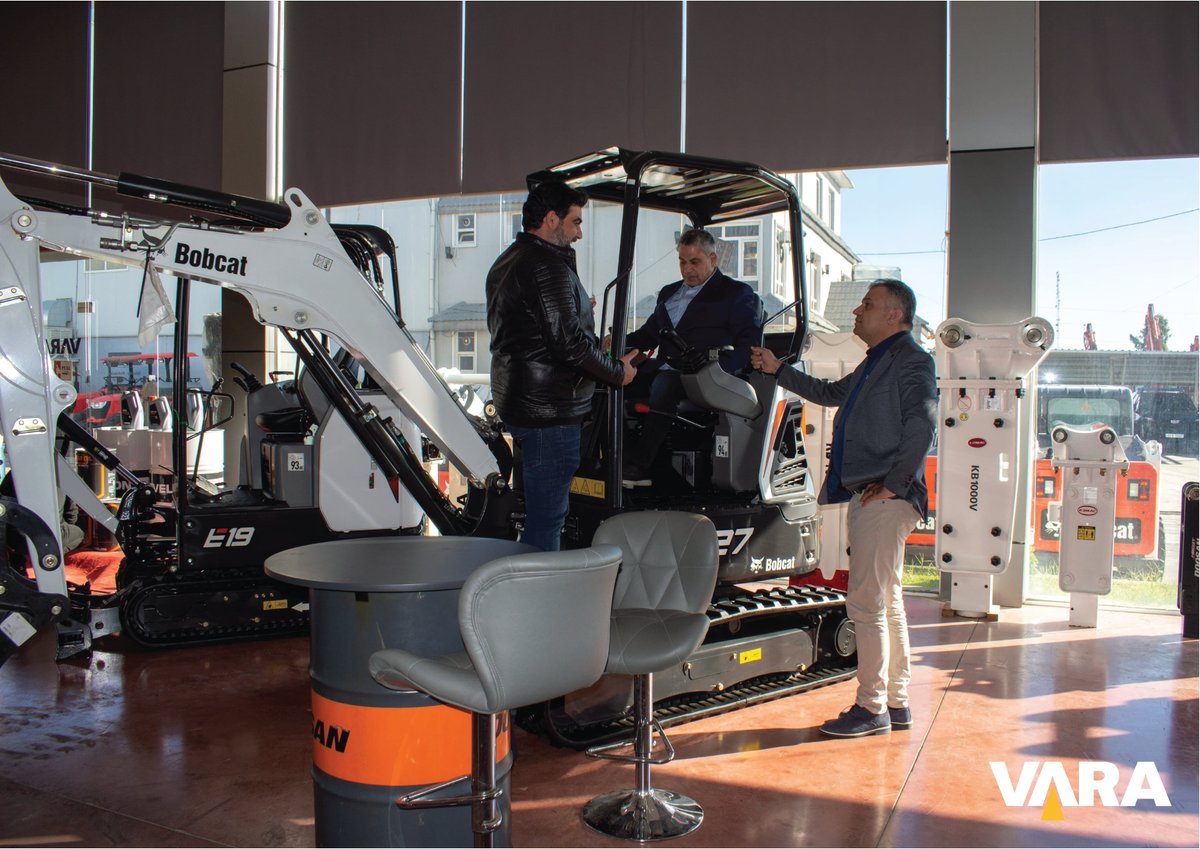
column 875, row 602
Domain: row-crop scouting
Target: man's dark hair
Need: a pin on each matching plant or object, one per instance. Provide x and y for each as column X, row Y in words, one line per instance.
column 700, row 238
column 903, row 296
column 550, row 197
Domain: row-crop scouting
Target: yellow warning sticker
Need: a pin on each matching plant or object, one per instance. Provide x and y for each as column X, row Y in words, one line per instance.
column 276, row 604
column 1086, row 532
column 589, row 487
column 750, row 656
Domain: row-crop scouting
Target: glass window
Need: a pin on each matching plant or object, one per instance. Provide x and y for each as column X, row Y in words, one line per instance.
column 466, row 350
column 738, row 249
column 750, row 259
column 464, row 230
column 894, row 220
column 1117, row 256
column 782, row 276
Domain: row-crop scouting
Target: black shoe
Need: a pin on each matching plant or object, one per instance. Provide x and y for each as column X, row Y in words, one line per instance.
column 901, row 718
column 857, row 721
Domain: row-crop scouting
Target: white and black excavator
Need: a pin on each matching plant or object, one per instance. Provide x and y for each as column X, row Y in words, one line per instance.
column 339, row 450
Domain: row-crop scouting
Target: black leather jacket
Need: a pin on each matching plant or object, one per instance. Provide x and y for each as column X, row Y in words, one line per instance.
column 545, row 355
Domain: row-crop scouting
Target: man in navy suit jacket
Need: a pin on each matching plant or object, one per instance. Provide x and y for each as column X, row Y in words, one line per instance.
column 708, row 310
column 887, row 411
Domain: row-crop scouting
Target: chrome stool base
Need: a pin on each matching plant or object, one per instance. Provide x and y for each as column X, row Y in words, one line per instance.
column 643, row 816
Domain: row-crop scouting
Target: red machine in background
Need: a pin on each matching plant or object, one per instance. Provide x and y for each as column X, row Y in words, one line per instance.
column 1138, row 533
column 123, row 372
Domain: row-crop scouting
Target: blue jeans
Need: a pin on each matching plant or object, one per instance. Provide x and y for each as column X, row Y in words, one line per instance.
column 549, row 459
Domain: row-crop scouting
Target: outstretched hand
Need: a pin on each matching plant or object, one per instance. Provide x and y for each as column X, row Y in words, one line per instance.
column 630, row 371
column 763, row 360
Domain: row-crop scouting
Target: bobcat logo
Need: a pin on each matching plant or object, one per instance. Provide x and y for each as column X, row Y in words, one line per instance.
column 756, row 564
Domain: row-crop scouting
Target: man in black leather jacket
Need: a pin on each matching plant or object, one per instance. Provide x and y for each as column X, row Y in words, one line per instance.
column 545, row 354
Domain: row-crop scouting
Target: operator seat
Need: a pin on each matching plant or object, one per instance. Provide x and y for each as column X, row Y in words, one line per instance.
column 713, row 388
column 727, row 425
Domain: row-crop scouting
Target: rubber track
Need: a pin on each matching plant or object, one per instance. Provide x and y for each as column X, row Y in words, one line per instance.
column 217, row 632
column 687, row 707
column 691, row 706
column 774, row 600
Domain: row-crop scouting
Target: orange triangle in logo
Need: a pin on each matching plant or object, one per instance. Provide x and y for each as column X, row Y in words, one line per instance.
column 1053, row 807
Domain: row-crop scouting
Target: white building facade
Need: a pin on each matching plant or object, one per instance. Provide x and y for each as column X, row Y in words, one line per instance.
column 445, row 247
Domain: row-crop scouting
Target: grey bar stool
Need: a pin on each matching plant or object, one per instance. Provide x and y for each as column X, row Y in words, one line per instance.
column 668, row 572
column 534, row 626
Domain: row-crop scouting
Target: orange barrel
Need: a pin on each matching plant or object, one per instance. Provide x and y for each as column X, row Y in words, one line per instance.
column 371, row 744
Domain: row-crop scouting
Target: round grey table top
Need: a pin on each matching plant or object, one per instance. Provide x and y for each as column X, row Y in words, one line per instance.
column 389, row 564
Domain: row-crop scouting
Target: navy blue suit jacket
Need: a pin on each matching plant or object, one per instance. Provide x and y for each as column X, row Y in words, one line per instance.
column 892, row 423
column 725, row 312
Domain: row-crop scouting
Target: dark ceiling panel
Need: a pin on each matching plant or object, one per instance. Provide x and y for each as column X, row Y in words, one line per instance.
column 44, row 98
column 546, row 82
column 808, row 86
column 371, row 100
column 1118, row 80
column 159, row 90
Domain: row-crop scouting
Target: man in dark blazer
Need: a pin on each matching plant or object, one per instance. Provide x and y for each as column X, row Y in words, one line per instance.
column 708, row 310
column 884, row 427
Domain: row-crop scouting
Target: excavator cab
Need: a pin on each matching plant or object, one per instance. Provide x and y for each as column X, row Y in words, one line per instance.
column 735, row 447
column 735, row 451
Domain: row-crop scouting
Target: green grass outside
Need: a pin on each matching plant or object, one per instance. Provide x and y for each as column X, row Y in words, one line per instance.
column 1135, row 583
column 920, row 573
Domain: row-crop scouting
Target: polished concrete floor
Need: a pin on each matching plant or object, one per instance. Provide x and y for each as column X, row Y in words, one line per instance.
column 210, row 746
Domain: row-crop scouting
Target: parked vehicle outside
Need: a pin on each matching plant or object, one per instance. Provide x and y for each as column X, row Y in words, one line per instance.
column 1168, row 416
column 1088, row 407
column 1138, row 531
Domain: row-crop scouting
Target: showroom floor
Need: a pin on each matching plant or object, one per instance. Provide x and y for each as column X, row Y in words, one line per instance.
column 210, row 746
